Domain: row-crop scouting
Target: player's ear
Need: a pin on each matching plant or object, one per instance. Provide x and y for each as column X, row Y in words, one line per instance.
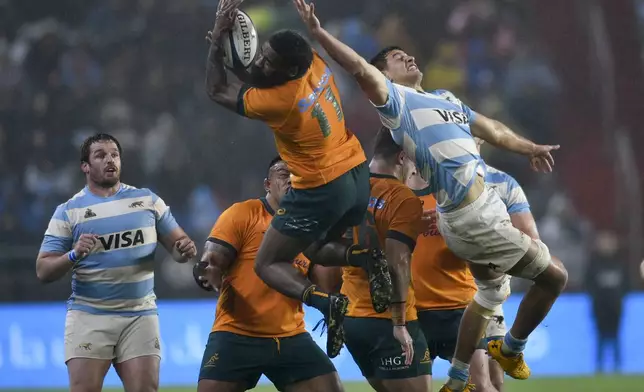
column 267, row 184
column 85, row 167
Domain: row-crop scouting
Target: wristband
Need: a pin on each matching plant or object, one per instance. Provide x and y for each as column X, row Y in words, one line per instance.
column 72, row 256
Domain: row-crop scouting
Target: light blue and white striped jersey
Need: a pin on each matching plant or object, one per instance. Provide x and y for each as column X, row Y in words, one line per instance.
column 434, row 129
column 509, row 189
column 117, row 277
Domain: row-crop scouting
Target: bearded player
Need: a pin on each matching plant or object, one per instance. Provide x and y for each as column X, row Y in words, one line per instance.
column 293, row 91
column 257, row 330
column 389, row 347
column 439, row 132
column 107, row 236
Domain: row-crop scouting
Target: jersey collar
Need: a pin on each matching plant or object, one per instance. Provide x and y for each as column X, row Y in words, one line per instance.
column 268, row 207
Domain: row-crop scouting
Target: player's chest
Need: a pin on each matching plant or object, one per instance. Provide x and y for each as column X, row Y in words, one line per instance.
column 119, row 232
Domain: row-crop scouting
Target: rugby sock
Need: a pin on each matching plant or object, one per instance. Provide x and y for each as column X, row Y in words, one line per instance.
column 316, row 298
column 358, row 256
column 512, row 346
column 458, row 375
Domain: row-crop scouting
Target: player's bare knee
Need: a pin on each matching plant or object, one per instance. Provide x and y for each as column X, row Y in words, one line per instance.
column 553, row 279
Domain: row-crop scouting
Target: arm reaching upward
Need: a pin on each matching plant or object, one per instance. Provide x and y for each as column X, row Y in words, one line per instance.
column 499, row 135
column 220, row 87
column 370, row 79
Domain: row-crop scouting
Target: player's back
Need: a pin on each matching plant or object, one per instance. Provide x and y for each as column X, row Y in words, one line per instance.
column 117, row 277
column 309, row 127
column 441, row 279
column 435, row 128
column 394, row 211
column 246, row 305
column 509, row 189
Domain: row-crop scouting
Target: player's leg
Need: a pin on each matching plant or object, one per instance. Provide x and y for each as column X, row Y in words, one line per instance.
column 233, row 363
column 496, row 329
column 380, row 358
column 299, row 365
column 480, row 372
column 89, row 349
column 549, row 279
column 138, row 354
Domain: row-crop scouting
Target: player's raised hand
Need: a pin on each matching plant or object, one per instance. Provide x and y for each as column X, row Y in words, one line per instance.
column 84, row 245
column 226, row 11
column 541, row 159
column 307, row 13
column 430, row 221
column 186, row 248
column 406, row 343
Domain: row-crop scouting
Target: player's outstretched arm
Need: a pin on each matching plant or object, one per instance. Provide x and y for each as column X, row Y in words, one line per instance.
column 370, row 79
column 500, row 135
column 220, row 86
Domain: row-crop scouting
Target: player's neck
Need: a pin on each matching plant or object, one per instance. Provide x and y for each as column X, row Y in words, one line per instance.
column 272, row 202
column 103, row 191
column 385, row 169
column 416, row 86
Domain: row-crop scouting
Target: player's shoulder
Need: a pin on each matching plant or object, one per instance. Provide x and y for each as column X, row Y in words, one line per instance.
column 244, row 210
column 128, row 191
column 391, row 190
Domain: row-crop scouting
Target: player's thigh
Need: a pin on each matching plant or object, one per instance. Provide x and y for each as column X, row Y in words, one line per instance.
column 412, row 384
column 326, row 383
column 440, row 328
column 299, row 359
column 87, row 374
column 231, row 360
column 358, row 179
column 139, row 374
column 309, row 214
column 220, row 386
column 138, row 354
column 482, row 233
column 373, row 338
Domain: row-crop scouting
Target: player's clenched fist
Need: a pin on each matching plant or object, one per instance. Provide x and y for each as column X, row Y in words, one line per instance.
column 84, row 245
column 186, row 248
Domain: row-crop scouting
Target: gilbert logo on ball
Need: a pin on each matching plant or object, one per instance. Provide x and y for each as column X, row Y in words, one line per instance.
column 241, row 46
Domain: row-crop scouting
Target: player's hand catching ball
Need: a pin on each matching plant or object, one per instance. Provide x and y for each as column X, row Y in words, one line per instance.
column 84, row 245
column 307, row 13
column 224, row 19
column 406, row 343
column 541, row 159
column 186, row 248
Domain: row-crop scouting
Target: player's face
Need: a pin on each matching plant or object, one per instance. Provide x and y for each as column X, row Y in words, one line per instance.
column 402, row 68
column 267, row 70
column 104, row 166
column 279, row 181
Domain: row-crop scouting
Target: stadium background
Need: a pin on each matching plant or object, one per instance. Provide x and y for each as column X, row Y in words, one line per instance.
column 567, row 72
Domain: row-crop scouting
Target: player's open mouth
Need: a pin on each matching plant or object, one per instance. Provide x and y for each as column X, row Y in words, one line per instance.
column 412, row 67
column 111, row 170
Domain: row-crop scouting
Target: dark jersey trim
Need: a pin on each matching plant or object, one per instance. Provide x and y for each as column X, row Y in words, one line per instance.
column 378, row 175
column 241, row 108
column 224, row 244
column 267, row 206
column 405, row 239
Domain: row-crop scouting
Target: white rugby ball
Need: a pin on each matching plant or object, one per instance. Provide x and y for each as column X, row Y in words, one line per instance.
column 241, row 46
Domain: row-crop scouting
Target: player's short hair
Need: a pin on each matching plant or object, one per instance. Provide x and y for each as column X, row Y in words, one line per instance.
column 99, row 137
column 274, row 162
column 380, row 59
column 384, row 146
column 293, row 49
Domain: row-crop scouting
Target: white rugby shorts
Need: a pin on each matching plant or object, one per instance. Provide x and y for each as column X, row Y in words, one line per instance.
column 482, row 233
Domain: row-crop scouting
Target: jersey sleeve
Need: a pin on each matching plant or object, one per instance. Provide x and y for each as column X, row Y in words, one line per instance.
column 391, row 112
column 165, row 221
column 58, row 237
column 405, row 219
column 515, row 199
column 258, row 103
column 230, row 228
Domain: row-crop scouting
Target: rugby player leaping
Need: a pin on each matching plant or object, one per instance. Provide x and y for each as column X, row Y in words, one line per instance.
column 437, row 132
column 293, row 91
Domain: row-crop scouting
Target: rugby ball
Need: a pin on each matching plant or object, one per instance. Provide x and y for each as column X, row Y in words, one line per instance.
column 241, row 44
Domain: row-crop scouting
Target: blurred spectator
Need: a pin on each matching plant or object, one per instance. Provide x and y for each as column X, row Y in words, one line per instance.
column 607, row 284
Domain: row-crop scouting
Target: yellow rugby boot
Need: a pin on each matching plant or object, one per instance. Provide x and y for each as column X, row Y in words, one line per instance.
column 468, row 388
column 515, row 367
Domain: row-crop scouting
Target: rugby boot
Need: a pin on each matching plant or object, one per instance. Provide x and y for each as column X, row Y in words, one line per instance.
column 468, row 388
column 514, row 366
column 338, row 306
column 380, row 286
